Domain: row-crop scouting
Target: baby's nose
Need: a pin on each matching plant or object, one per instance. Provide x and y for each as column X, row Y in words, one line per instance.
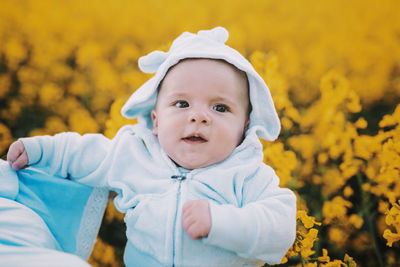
column 200, row 116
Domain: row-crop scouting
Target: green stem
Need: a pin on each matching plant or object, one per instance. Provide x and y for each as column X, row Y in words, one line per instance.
column 302, row 262
column 370, row 219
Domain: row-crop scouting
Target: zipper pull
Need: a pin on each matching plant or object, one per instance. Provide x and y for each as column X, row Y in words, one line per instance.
column 178, row 177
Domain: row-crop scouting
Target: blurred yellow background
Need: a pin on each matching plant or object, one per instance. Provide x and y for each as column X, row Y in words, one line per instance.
column 333, row 68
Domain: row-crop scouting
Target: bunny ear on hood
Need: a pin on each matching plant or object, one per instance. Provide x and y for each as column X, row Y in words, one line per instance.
column 205, row 44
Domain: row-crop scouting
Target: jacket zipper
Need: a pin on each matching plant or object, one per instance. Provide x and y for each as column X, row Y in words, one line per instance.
column 179, row 178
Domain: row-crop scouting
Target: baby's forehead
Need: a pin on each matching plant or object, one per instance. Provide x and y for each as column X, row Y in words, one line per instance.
column 204, row 67
column 209, row 63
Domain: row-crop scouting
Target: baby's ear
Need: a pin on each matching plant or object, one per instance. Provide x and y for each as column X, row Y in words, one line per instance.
column 155, row 122
column 246, row 126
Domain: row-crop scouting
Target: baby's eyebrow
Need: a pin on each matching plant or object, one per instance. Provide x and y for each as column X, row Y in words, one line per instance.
column 223, row 100
column 176, row 95
column 178, row 92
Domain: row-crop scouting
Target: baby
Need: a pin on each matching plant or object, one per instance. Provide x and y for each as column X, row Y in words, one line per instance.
column 190, row 175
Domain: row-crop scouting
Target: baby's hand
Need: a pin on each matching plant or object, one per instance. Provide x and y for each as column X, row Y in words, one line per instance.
column 196, row 218
column 17, row 155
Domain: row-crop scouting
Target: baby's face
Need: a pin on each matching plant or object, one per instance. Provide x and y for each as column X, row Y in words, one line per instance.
column 202, row 112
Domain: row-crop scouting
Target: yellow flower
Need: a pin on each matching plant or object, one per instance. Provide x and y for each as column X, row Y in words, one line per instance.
column 305, row 144
column 333, row 180
column 365, row 146
column 356, row 220
column 105, row 78
column 361, row 123
column 60, row 72
column 55, row 125
column 69, row 105
column 284, row 161
column 348, row 191
column 353, row 104
column 127, row 54
column 82, row 122
column 393, row 219
column 324, row 257
column 79, row 87
column 116, row 120
column 308, row 242
column 335, row 263
column 103, row 255
column 15, row 52
column 349, row 261
column 391, row 120
column 335, row 209
column 337, row 236
column 287, row 124
column 50, row 94
column 307, row 221
column 391, row 237
column 393, row 216
column 89, row 53
column 28, row 93
column 323, row 158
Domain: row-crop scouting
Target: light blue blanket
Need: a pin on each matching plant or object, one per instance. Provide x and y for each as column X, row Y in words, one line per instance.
column 46, row 220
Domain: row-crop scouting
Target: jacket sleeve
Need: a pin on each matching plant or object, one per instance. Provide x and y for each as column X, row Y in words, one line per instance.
column 70, row 155
column 264, row 228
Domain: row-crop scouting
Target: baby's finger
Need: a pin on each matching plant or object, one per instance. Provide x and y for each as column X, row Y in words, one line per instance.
column 187, row 220
column 187, row 206
column 12, row 154
column 16, row 149
column 193, row 232
column 20, row 162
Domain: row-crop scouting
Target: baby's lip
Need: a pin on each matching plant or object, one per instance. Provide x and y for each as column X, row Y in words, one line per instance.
column 195, row 138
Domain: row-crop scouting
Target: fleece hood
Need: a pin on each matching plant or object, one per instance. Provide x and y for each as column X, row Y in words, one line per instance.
column 205, row 44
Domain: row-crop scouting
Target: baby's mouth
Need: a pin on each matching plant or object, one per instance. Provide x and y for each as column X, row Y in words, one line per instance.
column 194, row 139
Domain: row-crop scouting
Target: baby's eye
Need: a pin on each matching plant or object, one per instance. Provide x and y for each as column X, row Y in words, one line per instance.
column 182, row 104
column 221, row 108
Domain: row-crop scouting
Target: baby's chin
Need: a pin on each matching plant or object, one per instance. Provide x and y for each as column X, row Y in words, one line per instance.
column 192, row 165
